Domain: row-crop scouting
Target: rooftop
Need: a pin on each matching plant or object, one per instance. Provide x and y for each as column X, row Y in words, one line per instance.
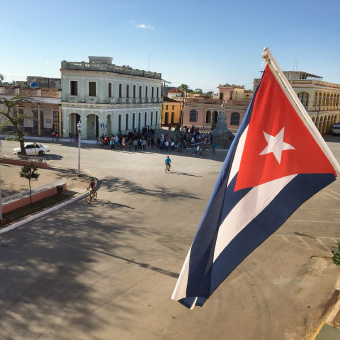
column 105, row 64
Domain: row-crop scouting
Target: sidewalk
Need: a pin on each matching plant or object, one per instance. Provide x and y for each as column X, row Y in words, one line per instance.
column 12, row 183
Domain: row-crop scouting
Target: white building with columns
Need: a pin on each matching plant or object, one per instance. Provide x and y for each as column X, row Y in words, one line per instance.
column 108, row 99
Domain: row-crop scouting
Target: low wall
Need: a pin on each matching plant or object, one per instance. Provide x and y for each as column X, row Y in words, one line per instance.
column 23, row 162
column 26, row 200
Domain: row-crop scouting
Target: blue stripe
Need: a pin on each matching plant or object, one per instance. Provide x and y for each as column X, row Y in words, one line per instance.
column 300, row 189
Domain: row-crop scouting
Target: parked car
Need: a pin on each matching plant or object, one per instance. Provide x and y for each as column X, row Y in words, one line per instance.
column 336, row 129
column 38, row 149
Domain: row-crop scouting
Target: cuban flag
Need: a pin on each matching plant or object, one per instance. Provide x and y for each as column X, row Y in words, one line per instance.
column 276, row 162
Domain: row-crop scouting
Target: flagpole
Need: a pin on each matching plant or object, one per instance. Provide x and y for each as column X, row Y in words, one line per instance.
column 294, row 99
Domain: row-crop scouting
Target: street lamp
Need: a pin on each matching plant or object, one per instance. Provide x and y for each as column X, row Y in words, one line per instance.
column 79, row 141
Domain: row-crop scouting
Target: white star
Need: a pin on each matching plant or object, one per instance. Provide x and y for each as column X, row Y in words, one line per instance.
column 276, row 145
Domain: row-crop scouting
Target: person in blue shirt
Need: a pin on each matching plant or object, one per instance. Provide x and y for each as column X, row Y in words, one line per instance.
column 168, row 162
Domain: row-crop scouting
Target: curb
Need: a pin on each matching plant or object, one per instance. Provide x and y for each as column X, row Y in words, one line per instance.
column 42, row 213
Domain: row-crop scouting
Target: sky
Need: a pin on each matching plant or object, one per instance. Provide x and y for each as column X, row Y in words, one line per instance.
column 198, row 43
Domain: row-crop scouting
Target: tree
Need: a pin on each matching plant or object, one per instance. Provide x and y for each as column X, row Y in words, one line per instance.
column 183, row 87
column 199, row 91
column 208, row 94
column 336, row 255
column 29, row 172
column 15, row 118
column 1, row 78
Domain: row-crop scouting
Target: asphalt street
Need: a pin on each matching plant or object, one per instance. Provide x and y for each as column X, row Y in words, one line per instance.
column 106, row 270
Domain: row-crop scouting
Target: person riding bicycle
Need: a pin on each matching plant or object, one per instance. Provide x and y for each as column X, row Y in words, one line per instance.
column 168, row 162
column 92, row 185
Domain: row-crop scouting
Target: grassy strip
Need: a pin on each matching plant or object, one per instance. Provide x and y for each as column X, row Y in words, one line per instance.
column 33, row 208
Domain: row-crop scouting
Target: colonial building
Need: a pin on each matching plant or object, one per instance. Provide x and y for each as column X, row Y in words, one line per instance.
column 108, row 99
column 202, row 112
column 237, row 100
column 43, row 110
column 320, row 98
column 171, row 112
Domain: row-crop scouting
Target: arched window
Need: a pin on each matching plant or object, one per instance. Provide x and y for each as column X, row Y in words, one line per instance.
column 208, row 117
column 235, row 118
column 193, row 116
column 172, row 117
column 304, row 96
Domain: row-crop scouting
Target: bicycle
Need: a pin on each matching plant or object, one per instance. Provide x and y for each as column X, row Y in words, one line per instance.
column 167, row 168
column 92, row 196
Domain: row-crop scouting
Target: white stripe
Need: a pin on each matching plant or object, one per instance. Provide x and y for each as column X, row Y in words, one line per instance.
column 246, row 210
column 180, row 290
column 238, row 155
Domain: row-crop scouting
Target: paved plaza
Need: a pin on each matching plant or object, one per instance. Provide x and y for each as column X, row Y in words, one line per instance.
column 106, row 270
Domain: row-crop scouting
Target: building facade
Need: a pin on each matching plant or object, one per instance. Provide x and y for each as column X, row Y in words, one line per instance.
column 232, row 101
column 108, row 99
column 43, row 110
column 320, row 98
column 171, row 112
column 202, row 112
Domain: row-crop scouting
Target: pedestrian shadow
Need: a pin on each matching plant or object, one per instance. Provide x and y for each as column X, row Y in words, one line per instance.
column 107, row 203
column 140, row 264
column 183, row 174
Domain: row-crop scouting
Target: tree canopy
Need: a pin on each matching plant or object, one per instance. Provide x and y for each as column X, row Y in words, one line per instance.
column 14, row 117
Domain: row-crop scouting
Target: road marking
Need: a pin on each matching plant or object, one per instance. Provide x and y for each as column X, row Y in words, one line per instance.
column 314, row 221
column 327, row 193
column 303, row 241
column 323, row 245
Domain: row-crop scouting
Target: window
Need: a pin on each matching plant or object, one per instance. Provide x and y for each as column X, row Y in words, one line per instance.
column 110, row 90
column 92, row 89
column 235, row 118
column 140, row 92
column 146, row 92
column 120, row 90
column 127, row 91
column 166, row 107
column 221, row 96
column 134, row 91
column 145, row 118
column 152, row 92
column 74, row 88
column 173, row 107
column 172, row 117
column 134, row 121
column 156, row 117
column 157, row 92
column 193, row 116
column 304, row 96
column 127, row 122
column 151, row 118
column 120, row 123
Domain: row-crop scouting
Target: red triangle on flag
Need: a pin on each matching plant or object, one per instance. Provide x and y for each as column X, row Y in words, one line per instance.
column 278, row 144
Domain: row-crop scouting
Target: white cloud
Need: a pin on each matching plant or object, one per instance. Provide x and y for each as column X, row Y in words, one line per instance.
column 147, row 27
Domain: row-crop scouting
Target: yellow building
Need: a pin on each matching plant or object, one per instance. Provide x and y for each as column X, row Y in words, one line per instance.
column 171, row 112
column 320, row 98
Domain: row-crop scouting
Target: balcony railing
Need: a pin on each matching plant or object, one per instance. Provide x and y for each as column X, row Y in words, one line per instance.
column 72, row 99
column 91, row 99
column 112, row 100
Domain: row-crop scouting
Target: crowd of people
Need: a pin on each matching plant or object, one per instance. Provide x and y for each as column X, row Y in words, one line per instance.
column 186, row 139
